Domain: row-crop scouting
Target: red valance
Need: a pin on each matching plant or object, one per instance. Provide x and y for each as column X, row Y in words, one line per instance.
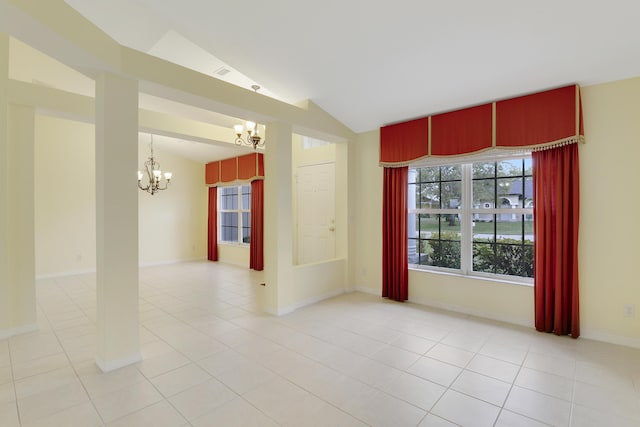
column 404, row 142
column 529, row 122
column 243, row 168
column 462, row 131
column 538, row 119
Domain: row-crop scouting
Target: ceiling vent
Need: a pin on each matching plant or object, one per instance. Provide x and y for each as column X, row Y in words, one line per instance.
column 222, row 71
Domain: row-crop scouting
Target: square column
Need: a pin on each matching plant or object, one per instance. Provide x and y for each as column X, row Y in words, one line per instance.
column 278, row 225
column 17, row 226
column 116, row 222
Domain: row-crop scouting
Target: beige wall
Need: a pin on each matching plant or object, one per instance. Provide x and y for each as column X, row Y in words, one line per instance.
column 609, row 225
column 172, row 223
column 609, row 228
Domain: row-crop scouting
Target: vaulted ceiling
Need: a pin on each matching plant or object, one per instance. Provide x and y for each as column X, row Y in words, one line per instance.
column 373, row 63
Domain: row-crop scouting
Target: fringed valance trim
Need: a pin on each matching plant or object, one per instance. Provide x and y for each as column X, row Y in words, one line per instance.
column 559, row 143
column 237, row 182
column 484, row 154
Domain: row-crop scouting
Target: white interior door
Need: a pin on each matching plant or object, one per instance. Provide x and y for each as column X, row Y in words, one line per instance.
column 316, row 213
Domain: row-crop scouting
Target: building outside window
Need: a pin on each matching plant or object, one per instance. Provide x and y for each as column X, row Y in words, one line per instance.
column 235, row 214
column 473, row 218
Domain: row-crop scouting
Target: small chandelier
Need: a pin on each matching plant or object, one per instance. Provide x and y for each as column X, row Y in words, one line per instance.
column 154, row 175
column 253, row 138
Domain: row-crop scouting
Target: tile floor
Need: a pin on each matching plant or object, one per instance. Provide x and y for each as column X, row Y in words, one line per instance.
column 212, row 359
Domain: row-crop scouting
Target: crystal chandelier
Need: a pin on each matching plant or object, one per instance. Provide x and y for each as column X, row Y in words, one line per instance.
column 155, row 181
column 253, row 138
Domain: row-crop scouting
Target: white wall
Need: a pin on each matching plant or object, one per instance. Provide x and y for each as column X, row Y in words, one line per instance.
column 172, row 225
column 609, row 228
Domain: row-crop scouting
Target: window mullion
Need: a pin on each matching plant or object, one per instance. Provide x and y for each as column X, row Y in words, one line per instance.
column 465, row 221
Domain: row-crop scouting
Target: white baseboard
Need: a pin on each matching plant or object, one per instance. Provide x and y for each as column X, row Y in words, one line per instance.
column 586, row 334
column 8, row 333
column 309, row 301
column 171, row 261
column 64, row 274
column 610, row 338
column 112, row 365
column 472, row 312
column 370, row 291
column 141, row 265
column 318, row 298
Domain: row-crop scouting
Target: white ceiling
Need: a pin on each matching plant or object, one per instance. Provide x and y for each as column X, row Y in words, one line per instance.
column 373, row 63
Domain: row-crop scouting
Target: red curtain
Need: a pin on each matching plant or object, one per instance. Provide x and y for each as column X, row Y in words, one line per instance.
column 256, row 258
column 395, row 262
column 212, row 252
column 556, row 217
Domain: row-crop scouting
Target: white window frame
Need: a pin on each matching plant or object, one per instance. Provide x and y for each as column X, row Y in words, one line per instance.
column 466, row 212
column 241, row 209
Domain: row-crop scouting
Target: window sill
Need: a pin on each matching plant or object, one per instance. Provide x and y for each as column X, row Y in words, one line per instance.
column 497, row 279
column 233, row 244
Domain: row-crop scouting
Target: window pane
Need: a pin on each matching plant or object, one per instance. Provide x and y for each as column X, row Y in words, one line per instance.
column 429, row 196
column 483, row 227
column 427, row 225
column 528, row 192
column 430, row 174
column 442, row 253
column 229, row 198
column 510, row 168
column 246, row 197
column 451, row 194
column 246, row 227
column 514, row 260
column 484, row 170
column 449, row 173
column 484, row 194
column 509, row 228
column 483, row 256
column 229, row 226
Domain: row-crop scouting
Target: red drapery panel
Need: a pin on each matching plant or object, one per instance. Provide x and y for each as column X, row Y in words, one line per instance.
column 260, row 165
column 395, row 261
column 404, row 142
column 556, row 217
column 212, row 235
column 538, row 119
column 462, row 131
column 212, row 173
column 247, row 166
column 256, row 245
column 229, row 169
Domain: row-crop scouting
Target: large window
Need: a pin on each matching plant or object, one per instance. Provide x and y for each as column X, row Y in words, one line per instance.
column 475, row 218
column 235, row 214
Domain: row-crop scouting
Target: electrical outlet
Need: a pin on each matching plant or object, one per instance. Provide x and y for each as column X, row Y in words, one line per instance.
column 629, row 310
